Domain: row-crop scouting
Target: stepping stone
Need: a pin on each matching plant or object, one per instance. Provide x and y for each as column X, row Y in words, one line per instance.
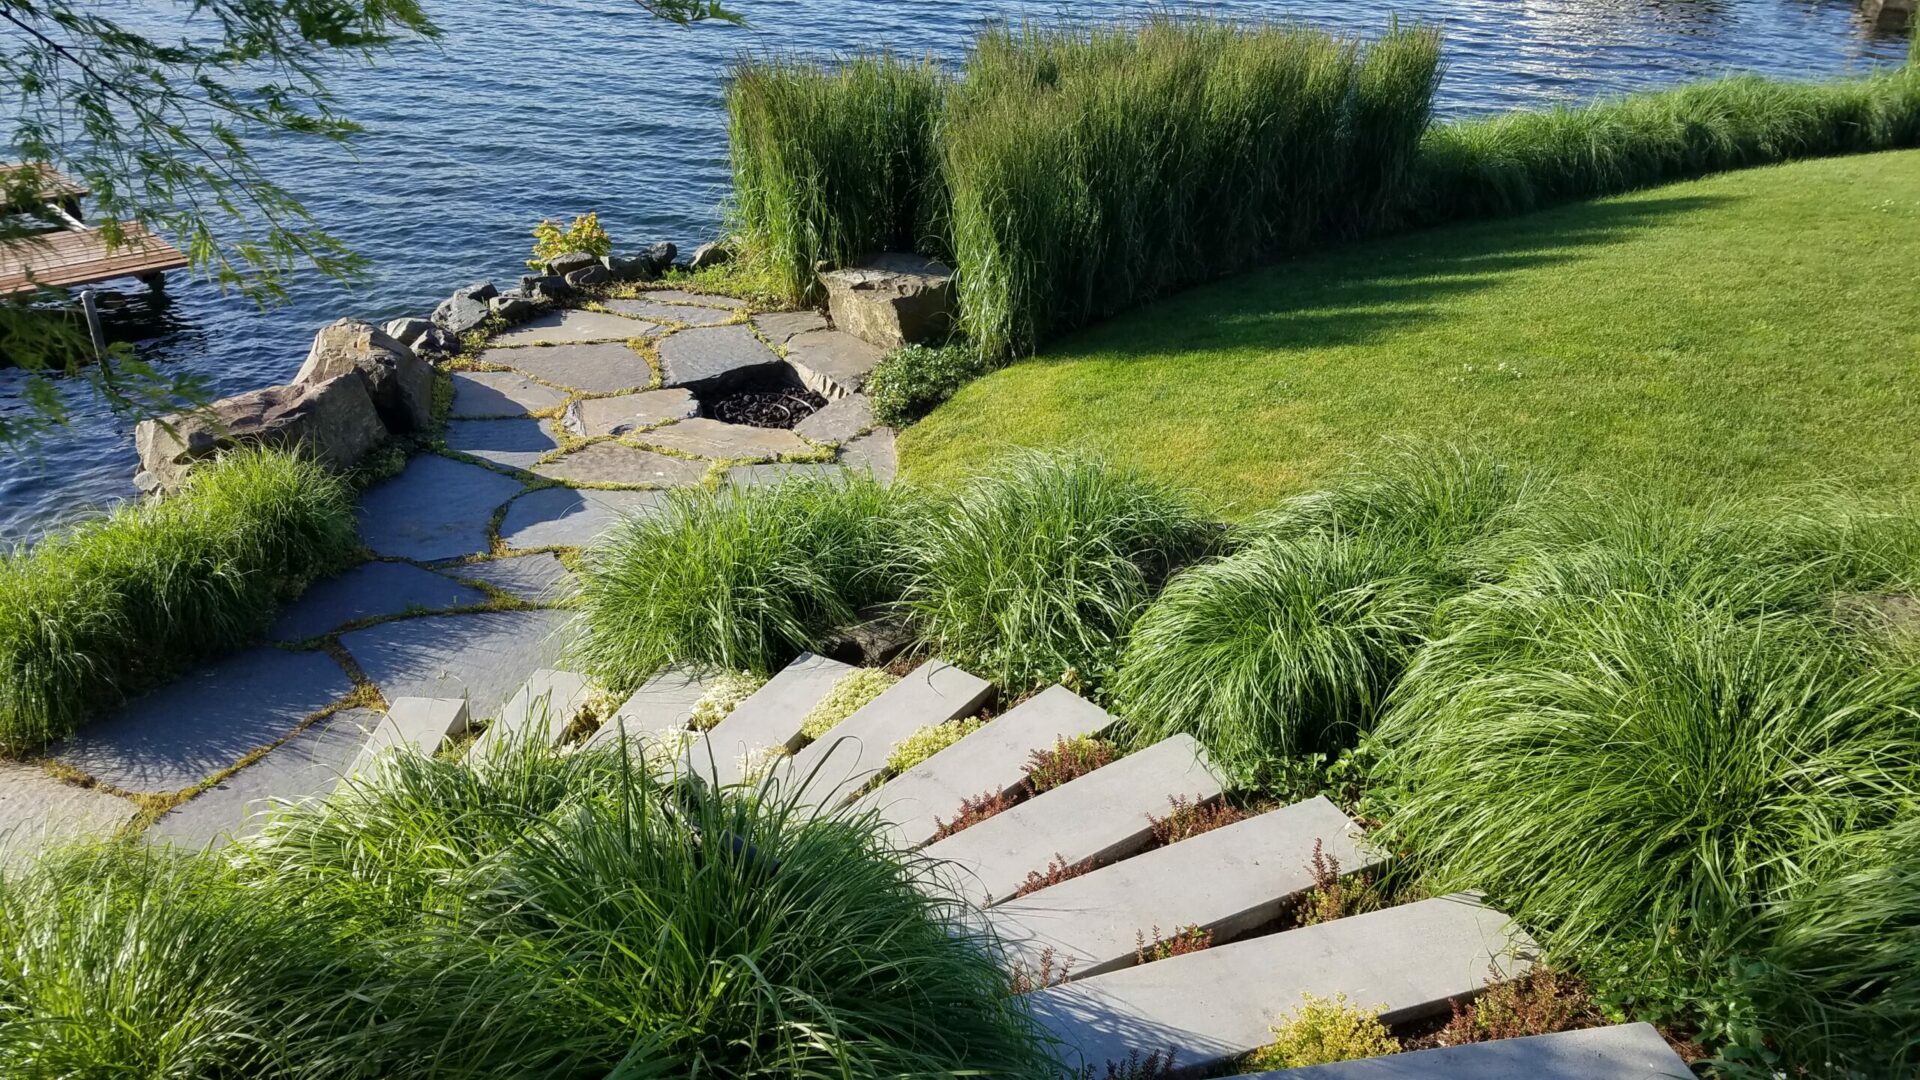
column 748, row 476
column 590, row 369
column 628, row 413
column 1219, row 1003
column 664, row 703
column 1097, row 818
column 1623, row 1052
column 855, row 751
column 768, row 719
column 691, row 314
column 1230, row 881
column 681, row 296
column 616, row 463
column 570, row 517
column 307, row 766
column 714, row 358
column 421, row 725
column 437, row 508
column 533, row 578
column 367, row 591
column 832, row 363
column 543, row 709
column 515, row 444
column 198, row 725
column 573, row 326
column 714, row 439
column 990, row 761
column 488, row 394
column 779, row 327
column 38, row 811
column 873, row 454
column 839, row 421
column 483, row 656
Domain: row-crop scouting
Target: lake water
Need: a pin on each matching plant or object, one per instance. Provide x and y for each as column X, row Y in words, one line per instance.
column 548, row 109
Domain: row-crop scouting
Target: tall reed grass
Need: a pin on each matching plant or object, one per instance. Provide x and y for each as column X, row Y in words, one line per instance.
column 102, row 611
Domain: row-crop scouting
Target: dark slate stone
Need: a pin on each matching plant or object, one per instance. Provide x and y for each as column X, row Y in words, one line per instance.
column 838, row 421
column 690, row 314
column 614, row 463
column 831, row 363
column 307, row 766
column 567, row 263
column 491, row 394
column 483, row 656
column 873, row 453
column 438, row 508
column 571, row 326
column 516, row 444
column 782, row 326
column 593, row 369
column 569, row 517
column 682, row 296
column 37, row 811
column 534, row 578
column 714, row 358
column 367, row 591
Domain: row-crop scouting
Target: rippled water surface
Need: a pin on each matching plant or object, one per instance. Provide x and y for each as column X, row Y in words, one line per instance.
column 546, row 108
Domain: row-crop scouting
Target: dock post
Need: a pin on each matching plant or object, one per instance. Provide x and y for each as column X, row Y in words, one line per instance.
column 90, row 306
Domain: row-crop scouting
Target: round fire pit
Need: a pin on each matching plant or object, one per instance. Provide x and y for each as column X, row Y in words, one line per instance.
column 765, row 408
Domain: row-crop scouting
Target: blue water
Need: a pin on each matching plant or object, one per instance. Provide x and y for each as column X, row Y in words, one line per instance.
column 547, row 109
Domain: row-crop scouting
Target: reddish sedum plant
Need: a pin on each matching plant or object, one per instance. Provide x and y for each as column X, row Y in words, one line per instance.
column 1191, row 940
column 1069, row 760
column 972, row 812
column 1057, row 871
column 1188, row 819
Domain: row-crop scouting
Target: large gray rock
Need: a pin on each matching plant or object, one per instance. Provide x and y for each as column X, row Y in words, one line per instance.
column 661, row 256
column 892, row 299
column 409, row 332
column 514, row 444
column 833, row 363
column 466, row 309
column 491, row 395
column 400, row 383
column 588, row 276
column 368, row 591
column 706, row 438
column 616, row 463
column 714, row 254
column 570, row 326
column 566, row 263
column 483, row 656
column 514, row 307
column 604, row 368
column 334, row 421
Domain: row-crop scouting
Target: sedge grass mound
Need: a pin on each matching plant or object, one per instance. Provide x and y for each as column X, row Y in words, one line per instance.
column 114, row 606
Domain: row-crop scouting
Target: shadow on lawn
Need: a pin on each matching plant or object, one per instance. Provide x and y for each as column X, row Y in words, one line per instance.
column 1361, row 293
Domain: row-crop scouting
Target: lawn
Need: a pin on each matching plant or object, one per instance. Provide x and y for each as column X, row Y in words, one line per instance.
column 1737, row 333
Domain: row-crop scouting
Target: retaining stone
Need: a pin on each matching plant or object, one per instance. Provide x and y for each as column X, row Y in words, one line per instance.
column 570, row 517
column 1219, row 1003
column 832, row 363
column 769, row 718
column 855, row 751
column 543, row 709
column 691, row 314
column 534, row 578
column 628, row 413
column 1230, row 881
column 664, row 703
column 437, row 508
column 483, row 656
column 716, row 439
column 780, row 327
column 37, row 812
column 592, row 369
column 681, row 296
column 1099, row 817
column 307, row 766
column 614, row 463
column 839, row 421
column 512, row 444
column 368, row 591
column 892, row 298
column 572, row 327
column 489, row 394
column 1623, row 1052
column 417, row 724
column 989, row 761
column 713, row 358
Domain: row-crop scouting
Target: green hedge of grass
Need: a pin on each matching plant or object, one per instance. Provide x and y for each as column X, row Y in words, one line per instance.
column 99, row 612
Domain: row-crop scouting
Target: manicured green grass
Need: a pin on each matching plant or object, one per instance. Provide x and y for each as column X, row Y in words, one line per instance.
column 1734, row 333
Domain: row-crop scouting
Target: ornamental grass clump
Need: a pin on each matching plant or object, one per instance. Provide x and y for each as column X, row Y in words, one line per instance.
column 95, row 614
column 1035, row 571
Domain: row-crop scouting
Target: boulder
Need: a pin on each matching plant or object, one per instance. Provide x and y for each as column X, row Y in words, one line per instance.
column 514, row 307
column 875, row 641
column 409, row 332
column 567, row 263
column 660, row 256
column 545, row 288
column 333, row 420
column 586, row 276
column 437, row 341
column 466, row 309
column 400, row 383
column 891, row 300
column 714, row 254
column 636, row 268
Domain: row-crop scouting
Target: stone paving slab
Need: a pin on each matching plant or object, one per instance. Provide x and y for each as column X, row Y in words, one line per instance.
column 37, row 811
column 780, row 327
column 783, row 471
column 570, row 517
column 615, row 463
column 988, row 762
column 713, row 358
column 421, row 725
column 513, row 444
column 839, row 421
column 483, row 656
column 307, row 766
column 716, row 439
column 873, row 454
column 543, row 709
column 1100, row 817
column 832, row 363
column 1219, row 1003
column 1230, row 881
column 437, row 508
column 1622, row 1052
column 853, row 753
column 200, row 724
column 664, row 703
column 536, row 579
column 487, row 394
column 628, row 413
column 368, row 591
column 681, row 296
column 691, row 314
column 572, row 326
column 770, row 718
column 591, row 369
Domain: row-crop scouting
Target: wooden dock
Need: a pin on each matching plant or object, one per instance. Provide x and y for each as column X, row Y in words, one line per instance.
column 72, row 253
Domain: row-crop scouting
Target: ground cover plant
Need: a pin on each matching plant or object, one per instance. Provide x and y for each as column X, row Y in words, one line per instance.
column 94, row 614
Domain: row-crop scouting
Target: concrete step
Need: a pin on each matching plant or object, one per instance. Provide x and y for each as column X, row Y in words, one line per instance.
column 1101, row 816
column 421, row 724
column 664, row 703
column 989, row 761
column 1210, row 1006
column 1230, row 881
column 770, row 718
column 839, row 764
column 544, row 707
column 1625, row 1052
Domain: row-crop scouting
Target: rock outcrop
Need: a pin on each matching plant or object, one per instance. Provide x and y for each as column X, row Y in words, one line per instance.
column 891, row 300
column 399, row 383
column 333, row 420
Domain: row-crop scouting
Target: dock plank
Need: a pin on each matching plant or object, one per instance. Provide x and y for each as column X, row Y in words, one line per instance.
column 66, row 259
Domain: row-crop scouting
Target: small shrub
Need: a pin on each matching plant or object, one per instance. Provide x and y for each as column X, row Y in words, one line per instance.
column 1069, row 760
column 1191, row 940
column 972, row 812
column 913, row 381
column 725, row 695
column 1057, row 870
column 1541, row 1002
column 929, row 741
column 1322, row 1031
column 851, row 693
column 585, row 236
column 1334, row 895
column 1187, row 819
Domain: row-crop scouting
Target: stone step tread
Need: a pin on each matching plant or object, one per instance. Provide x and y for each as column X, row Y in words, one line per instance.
column 544, row 707
column 769, row 718
column 664, row 703
column 1230, row 880
column 422, row 723
column 1101, row 816
column 990, row 761
column 1210, row 1006
column 1621, row 1052
column 853, row 753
